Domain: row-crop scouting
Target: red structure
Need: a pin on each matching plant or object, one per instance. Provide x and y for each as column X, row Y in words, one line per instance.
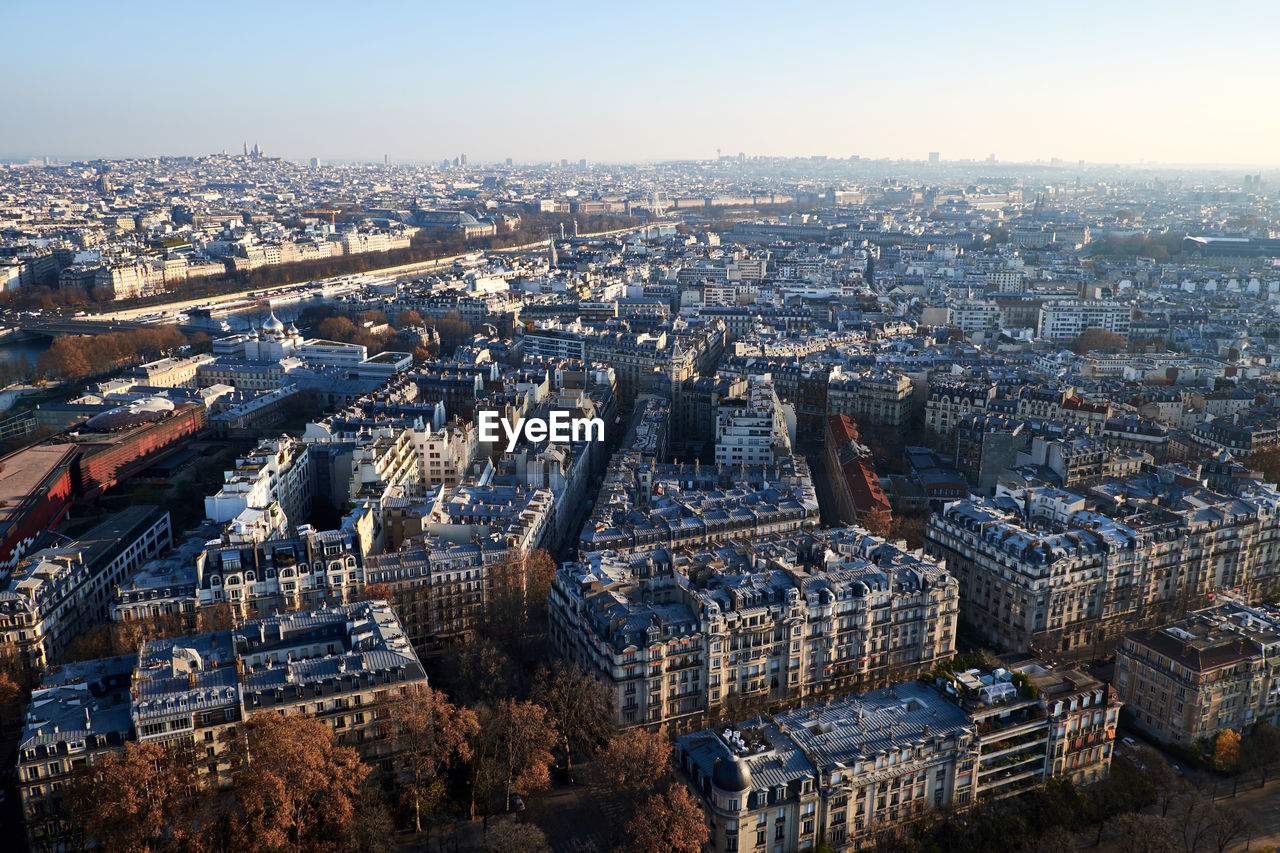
column 859, row 497
column 35, row 491
column 106, row 458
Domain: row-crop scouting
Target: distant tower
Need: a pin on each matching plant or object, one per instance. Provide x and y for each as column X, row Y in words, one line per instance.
column 386, row 159
column 934, row 158
column 575, row 228
column 246, row 148
column 552, row 259
column 462, row 159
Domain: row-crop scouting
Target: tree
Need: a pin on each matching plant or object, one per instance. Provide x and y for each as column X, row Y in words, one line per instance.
column 430, row 734
column 1056, row 840
column 1191, row 821
column 371, row 828
column 378, row 592
column 1226, row 750
column 669, row 822
column 1261, row 748
column 11, row 700
column 635, row 762
column 485, row 673
column 295, row 785
column 1144, row 833
column 407, row 318
column 521, row 582
column 136, row 800
column 79, row 356
column 336, row 329
column 579, row 705
column 1097, row 339
column 1167, row 786
column 1268, row 463
column 514, row 749
column 1229, row 826
column 200, row 342
column 508, row 836
column 540, row 572
column 94, row 644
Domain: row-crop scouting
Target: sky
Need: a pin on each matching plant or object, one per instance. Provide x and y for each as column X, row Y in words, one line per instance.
column 1117, row 82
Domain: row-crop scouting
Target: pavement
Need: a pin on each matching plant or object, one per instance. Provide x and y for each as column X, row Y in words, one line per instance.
column 582, row 818
column 1263, row 807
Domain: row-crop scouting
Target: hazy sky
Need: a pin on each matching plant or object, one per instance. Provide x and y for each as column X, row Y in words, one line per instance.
column 1106, row 82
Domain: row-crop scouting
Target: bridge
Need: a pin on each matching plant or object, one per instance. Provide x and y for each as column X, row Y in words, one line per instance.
column 55, row 328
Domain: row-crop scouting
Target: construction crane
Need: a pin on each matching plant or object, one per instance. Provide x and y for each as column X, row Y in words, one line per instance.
column 331, row 213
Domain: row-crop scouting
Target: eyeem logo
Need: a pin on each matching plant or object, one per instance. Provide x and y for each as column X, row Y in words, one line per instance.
column 560, row 427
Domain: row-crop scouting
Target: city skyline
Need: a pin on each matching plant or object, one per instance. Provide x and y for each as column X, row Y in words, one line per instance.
column 419, row 84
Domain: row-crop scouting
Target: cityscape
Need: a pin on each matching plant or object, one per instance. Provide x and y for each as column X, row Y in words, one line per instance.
column 687, row 491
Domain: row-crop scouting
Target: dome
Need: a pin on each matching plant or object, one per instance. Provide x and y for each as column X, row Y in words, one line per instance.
column 131, row 415
column 731, row 775
column 292, row 330
column 273, row 325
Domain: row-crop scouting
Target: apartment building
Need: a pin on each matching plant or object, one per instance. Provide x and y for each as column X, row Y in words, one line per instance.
column 1068, row 319
column 881, row 399
column 975, row 316
column 170, row 372
column 337, row 664
column 833, row 772
column 1217, row 669
column 256, row 578
column 442, row 589
column 1030, row 582
column 852, row 474
column 58, row 594
column 276, row 472
column 839, row 772
column 683, row 636
column 950, row 401
column 1034, row 723
column 751, row 431
column 643, row 505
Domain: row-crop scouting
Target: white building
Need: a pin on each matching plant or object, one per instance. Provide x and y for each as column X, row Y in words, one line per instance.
column 1067, row 320
column 752, row 431
column 276, row 472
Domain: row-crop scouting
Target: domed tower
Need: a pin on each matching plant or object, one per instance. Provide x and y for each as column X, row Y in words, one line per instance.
column 273, row 326
column 731, row 776
column 729, row 797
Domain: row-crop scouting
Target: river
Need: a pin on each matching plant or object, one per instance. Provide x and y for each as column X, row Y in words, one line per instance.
column 29, row 350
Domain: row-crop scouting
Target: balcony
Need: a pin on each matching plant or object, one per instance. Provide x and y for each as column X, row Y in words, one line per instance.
column 1017, row 744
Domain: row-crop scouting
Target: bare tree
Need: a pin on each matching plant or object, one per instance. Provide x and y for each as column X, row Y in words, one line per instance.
column 1145, row 833
column 579, row 705
column 1230, row 826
